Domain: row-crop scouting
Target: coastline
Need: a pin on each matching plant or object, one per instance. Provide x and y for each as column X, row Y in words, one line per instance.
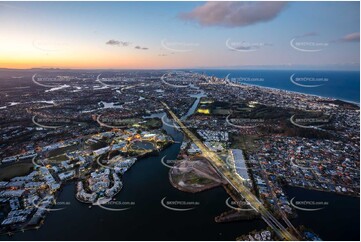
column 301, row 93
column 289, row 91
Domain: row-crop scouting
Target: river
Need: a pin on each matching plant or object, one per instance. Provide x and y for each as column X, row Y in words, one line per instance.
column 147, row 183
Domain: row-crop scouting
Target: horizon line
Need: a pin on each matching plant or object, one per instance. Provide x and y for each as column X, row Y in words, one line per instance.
column 191, row 68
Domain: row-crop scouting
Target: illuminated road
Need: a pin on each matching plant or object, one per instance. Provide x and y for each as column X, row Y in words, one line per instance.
column 235, row 181
column 273, row 194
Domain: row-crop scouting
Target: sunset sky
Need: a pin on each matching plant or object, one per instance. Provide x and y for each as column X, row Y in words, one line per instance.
column 123, row 35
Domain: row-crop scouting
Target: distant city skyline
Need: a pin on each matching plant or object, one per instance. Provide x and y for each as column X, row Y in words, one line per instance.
column 180, row 35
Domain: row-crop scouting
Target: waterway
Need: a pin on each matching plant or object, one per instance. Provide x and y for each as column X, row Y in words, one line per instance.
column 146, row 184
column 339, row 218
column 195, row 104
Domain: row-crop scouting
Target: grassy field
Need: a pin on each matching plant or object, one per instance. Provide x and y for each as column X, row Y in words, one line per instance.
column 244, row 142
column 221, row 111
column 58, row 159
column 63, row 150
column 153, row 123
column 14, row 170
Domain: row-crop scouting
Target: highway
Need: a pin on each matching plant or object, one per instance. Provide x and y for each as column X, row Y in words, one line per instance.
column 273, row 194
column 235, row 181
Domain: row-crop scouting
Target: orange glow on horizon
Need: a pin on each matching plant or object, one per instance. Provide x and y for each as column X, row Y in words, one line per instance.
column 96, row 62
column 22, row 53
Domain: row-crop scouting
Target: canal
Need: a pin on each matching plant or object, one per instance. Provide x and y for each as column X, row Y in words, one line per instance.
column 140, row 215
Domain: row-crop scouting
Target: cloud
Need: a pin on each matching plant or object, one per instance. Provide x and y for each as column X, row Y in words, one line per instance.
column 234, row 14
column 117, row 43
column 124, row 44
column 354, row 37
column 140, row 48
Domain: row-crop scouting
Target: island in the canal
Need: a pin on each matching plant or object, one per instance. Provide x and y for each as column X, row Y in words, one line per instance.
column 96, row 162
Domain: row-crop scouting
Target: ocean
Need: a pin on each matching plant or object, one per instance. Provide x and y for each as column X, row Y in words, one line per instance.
column 342, row 85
